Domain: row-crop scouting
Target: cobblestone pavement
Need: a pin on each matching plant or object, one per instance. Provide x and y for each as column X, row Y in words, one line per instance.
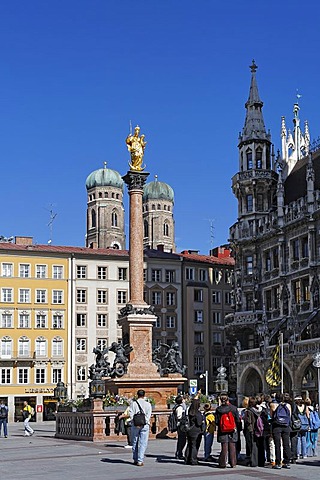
column 44, row 456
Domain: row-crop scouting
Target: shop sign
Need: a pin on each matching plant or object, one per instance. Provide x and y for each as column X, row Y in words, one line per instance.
column 38, row 390
column 39, row 408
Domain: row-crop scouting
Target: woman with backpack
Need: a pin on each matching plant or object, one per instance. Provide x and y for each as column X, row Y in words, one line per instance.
column 303, row 414
column 209, row 432
column 280, row 420
column 227, row 420
column 194, row 434
column 312, row 435
column 254, row 426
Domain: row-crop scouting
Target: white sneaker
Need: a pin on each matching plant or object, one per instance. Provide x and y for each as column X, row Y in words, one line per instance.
column 26, row 435
column 128, row 446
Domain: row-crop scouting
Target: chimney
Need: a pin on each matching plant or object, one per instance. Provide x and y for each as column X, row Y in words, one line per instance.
column 23, row 240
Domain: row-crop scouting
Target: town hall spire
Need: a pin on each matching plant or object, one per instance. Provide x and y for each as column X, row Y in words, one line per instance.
column 254, row 127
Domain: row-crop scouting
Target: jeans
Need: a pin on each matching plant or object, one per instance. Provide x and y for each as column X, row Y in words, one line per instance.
column 140, row 436
column 208, row 441
column 312, row 450
column 27, row 429
column 3, row 421
column 302, row 444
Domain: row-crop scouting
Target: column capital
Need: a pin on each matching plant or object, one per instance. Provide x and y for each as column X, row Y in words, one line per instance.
column 135, row 180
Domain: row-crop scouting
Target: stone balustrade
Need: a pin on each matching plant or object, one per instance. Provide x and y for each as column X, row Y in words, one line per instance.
column 99, row 426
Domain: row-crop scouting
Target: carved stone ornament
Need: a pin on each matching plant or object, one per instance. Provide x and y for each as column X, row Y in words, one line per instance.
column 135, row 180
column 130, row 310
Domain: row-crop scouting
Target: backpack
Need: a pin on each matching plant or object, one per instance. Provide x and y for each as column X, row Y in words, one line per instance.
column 184, row 423
column 295, row 420
column 282, row 415
column 304, row 420
column 259, row 427
column 227, row 423
column 173, row 420
column 3, row 412
column 139, row 419
column 314, row 420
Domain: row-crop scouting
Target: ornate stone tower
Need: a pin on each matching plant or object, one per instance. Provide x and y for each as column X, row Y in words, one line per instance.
column 158, row 222
column 255, row 186
column 105, row 212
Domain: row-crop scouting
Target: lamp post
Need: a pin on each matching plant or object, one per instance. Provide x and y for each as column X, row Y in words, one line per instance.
column 205, row 375
column 60, row 392
column 316, row 364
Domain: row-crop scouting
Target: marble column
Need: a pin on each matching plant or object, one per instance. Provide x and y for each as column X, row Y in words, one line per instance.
column 135, row 182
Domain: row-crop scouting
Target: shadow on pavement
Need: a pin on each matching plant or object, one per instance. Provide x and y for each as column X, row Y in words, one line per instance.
column 116, row 460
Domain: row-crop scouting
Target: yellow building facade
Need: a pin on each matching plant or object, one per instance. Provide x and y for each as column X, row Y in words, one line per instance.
column 34, row 328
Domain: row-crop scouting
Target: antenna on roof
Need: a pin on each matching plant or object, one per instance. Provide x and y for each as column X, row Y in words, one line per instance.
column 212, row 228
column 50, row 224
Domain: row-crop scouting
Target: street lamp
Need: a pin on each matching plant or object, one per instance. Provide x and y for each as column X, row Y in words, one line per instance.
column 205, row 375
column 60, row 392
column 316, row 364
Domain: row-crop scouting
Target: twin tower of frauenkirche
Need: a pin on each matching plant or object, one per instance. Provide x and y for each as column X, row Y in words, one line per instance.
column 106, row 215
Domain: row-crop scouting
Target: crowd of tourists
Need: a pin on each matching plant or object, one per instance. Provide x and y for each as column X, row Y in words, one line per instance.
column 278, row 431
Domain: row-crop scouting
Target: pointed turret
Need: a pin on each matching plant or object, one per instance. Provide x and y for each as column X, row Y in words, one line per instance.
column 294, row 145
column 254, row 127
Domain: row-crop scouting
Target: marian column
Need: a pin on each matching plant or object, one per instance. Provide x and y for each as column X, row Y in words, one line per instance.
column 137, row 318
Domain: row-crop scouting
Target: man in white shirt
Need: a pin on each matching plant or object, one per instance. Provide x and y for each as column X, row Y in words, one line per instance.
column 180, row 410
column 140, row 433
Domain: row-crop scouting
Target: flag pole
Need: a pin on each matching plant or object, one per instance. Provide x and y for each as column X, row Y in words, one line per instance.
column 281, row 360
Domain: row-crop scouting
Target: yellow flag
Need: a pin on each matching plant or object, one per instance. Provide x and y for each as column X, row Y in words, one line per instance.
column 273, row 376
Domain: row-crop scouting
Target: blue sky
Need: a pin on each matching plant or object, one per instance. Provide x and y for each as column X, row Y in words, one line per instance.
column 73, row 73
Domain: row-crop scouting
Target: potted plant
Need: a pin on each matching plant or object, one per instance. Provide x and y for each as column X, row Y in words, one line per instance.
column 171, row 400
column 115, row 402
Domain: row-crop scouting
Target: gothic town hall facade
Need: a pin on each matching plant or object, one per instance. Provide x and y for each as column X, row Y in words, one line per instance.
column 276, row 244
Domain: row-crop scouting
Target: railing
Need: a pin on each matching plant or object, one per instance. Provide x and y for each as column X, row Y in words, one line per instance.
column 99, row 426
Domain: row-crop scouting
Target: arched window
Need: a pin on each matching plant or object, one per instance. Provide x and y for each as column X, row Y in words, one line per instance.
column 249, row 159
column 166, row 230
column 153, row 207
column 57, row 347
column 146, row 228
column 114, row 219
column 93, row 218
column 23, row 347
column 115, row 246
column 6, row 347
column 41, row 347
column 100, row 194
column 105, row 194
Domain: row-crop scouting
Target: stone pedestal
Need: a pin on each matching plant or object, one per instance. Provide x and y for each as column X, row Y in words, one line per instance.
column 138, row 329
